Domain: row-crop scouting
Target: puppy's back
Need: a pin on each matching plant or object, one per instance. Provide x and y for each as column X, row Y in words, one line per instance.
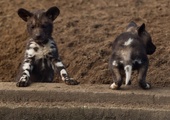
column 128, row 43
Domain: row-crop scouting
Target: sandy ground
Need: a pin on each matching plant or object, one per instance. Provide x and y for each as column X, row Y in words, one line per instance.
column 83, row 32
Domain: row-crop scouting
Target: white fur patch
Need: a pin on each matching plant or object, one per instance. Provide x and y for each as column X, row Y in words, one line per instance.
column 114, row 63
column 63, row 72
column 121, row 61
column 113, row 86
column 128, row 42
column 128, row 72
column 137, row 61
column 33, row 45
column 27, row 72
column 23, row 78
column 26, row 66
column 148, row 86
column 30, row 52
column 42, row 50
column 59, row 64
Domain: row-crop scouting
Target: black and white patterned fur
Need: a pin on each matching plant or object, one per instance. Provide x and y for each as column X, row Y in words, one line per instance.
column 41, row 59
column 129, row 52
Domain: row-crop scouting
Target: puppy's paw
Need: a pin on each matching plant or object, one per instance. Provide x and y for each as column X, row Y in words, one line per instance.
column 23, row 82
column 70, row 81
column 148, row 86
column 145, row 86
column 114, row 86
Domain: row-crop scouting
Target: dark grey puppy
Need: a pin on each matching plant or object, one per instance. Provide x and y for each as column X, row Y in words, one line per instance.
column 41, row 57
column 129, row 52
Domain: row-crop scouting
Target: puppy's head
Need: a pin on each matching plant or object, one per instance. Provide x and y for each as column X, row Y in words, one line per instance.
column 145, row 36
column 39, row 23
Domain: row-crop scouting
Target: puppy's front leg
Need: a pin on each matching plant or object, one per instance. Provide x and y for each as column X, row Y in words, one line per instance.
column 63, row 73
column 24, row 78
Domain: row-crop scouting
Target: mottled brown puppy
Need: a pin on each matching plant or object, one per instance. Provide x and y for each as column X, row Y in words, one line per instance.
column 41, row 56
column 129, row 52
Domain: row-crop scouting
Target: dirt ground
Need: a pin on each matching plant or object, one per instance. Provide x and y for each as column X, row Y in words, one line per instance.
column 83, row 32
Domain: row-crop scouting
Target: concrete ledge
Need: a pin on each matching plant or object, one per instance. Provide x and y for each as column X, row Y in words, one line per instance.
column 57, row 101
column 56, row 92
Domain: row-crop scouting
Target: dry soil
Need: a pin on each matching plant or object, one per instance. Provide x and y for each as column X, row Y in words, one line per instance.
column 83, row 32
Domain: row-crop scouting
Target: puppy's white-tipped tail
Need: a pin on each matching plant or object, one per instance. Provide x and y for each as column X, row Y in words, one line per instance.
column 128, row 72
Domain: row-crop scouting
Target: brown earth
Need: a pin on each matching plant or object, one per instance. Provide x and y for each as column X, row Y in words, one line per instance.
column 83, row 32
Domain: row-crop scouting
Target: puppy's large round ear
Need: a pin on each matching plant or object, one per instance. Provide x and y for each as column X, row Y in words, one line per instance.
column 131, row 24
column 131, row 27
column 141, row 29
column 52, row 13
column 24, row 14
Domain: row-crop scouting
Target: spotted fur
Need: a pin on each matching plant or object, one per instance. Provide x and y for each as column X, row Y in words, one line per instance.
column 41, row 59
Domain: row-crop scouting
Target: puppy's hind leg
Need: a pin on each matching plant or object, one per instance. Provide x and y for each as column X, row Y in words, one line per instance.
column 117, row 78
column 142, row 76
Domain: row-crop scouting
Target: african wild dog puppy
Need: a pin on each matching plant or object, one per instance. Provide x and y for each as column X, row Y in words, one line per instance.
column 41, row 57
column 129, row 52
